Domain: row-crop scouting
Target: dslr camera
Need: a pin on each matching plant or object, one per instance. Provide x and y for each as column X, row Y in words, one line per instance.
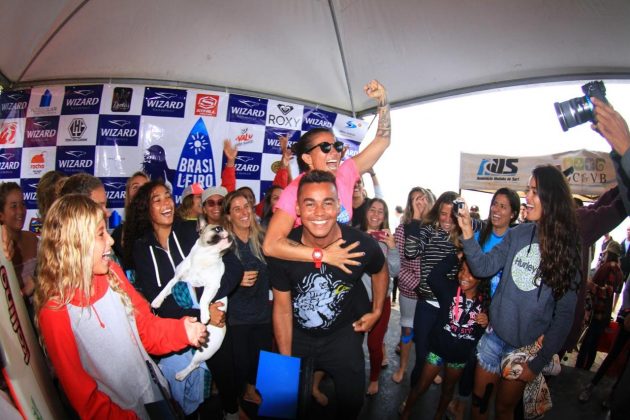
column 577, row 111
column 457, row 205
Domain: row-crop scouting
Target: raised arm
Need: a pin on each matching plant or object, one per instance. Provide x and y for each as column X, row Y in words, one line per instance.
column 228, row 176
column 371, row 154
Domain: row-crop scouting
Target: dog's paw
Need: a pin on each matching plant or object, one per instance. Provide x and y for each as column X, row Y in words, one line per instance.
column 157, row 302
column 180, row 376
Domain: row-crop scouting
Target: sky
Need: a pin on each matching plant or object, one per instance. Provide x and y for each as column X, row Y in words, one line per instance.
column 427, row 139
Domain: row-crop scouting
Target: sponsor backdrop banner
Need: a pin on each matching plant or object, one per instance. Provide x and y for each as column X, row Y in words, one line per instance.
column 588, row 173
column 112, row 131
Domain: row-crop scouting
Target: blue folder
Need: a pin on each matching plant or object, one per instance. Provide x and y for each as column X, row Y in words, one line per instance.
column 278, row 382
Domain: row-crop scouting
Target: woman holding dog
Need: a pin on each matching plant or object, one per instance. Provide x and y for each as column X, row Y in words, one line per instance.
column 249, row 310
column 157, row 242
column 97, row 329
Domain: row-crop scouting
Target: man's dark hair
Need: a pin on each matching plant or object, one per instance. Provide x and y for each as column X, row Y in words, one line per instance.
column 80, row 183
column 316, row 177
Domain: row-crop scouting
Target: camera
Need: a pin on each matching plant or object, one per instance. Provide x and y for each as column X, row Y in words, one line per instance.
column 457, row 205
column 577, row 111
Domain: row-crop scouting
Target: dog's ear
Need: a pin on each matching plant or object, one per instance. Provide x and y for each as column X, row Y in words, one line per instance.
column 201, row 223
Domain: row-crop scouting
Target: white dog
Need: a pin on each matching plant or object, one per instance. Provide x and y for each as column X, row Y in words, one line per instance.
column 203, row 267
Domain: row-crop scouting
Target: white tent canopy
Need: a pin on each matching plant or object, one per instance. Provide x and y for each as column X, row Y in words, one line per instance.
column 316, row 51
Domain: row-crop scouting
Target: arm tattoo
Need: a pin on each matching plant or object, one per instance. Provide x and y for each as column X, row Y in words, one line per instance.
column 384, row 122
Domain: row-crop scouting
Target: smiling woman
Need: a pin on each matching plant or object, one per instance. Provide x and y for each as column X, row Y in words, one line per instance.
column 155, row 242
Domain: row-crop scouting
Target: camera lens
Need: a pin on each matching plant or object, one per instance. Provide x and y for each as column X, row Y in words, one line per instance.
column 574, row 112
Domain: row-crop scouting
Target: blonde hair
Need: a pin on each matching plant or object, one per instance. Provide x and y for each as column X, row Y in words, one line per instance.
column 256, row 232
column 65, row 258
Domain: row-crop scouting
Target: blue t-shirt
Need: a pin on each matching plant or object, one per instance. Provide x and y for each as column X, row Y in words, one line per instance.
column 491, row 241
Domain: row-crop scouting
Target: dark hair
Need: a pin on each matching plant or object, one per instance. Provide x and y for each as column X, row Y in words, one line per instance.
column 316, row 177
column 138, row 219
column 80, row 183
column 305, row 143
column 515, row 205
column 385, row 223
column 558, row 232
column 433, row 216
column 47, row 191
column 128, row 185
column 267, row 210
column 5, row 189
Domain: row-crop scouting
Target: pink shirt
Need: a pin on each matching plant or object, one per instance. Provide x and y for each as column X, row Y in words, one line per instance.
column 346, row 176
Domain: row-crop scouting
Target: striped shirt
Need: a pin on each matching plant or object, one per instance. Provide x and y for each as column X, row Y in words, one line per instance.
column 432, row 245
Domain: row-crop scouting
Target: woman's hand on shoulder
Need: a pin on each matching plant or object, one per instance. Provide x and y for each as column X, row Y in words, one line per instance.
column 340, row 257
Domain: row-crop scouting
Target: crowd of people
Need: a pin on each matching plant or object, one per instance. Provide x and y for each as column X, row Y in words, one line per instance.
column 486, row 305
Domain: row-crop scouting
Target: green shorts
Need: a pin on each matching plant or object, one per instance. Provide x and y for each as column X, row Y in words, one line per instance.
column 436, row 360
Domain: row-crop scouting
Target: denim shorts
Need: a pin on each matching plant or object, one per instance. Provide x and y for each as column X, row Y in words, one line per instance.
column 490, row 351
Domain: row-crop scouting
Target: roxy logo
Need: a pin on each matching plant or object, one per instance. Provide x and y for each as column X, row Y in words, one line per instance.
column 285, row 109
column 499, row 166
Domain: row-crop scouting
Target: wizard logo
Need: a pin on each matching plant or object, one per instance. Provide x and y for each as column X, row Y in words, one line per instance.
column 196, row 161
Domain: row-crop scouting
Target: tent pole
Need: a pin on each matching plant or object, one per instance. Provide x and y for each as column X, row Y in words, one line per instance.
column 4, row 82
column 343, row 55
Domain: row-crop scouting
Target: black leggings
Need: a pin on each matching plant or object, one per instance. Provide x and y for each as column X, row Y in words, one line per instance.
column 247, row 342
column 222, row 370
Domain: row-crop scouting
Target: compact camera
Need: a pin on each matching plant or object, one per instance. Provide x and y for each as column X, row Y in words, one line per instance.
column 457, row 205
column 577, row 111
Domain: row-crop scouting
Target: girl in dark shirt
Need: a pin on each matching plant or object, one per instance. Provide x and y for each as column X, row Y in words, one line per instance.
column 461, row 321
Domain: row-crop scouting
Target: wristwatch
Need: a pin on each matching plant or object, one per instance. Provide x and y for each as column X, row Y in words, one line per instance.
column 318, row 255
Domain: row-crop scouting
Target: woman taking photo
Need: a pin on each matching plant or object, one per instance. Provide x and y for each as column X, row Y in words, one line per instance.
column 249, row 309
column 537, row 292
column 419, row 202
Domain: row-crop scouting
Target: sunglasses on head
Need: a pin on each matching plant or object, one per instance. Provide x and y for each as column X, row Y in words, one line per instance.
column 212, row 203
column 327, row 147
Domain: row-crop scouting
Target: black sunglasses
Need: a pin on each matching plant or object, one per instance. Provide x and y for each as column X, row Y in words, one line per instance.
column 326, row 147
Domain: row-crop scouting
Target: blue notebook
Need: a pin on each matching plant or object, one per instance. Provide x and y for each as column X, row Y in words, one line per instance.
column 278, row 382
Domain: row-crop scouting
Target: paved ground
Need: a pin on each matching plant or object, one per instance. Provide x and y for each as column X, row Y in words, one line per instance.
column 384, row 406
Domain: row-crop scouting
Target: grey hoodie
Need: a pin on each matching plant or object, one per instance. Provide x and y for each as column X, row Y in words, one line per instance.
column 521, row 309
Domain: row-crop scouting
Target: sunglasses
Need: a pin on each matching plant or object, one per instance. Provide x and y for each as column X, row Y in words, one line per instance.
column 327, row 147
column 212, row 203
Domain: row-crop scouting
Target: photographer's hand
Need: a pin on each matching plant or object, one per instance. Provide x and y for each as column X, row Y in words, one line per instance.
column 465, row 222
column 611, row 125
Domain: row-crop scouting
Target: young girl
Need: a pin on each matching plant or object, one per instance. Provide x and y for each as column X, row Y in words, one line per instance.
column 437, row 238
column 96, row 328
column 460, row 323
column 537, row 292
